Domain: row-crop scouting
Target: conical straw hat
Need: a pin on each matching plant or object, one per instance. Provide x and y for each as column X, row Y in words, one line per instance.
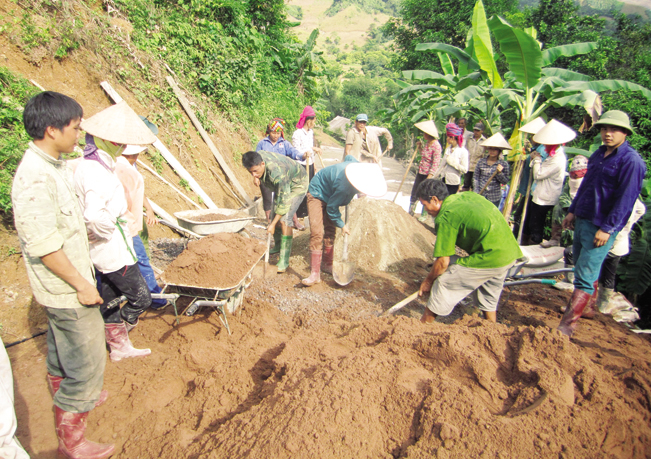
column 428, row 127
column 496, row 141
column 532, row 127
column 367, row 178
column 554, row 133
column 119, row 124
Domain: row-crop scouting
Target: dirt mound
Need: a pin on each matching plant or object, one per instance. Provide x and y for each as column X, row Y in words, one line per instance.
column 383, row 236
column 218, row 260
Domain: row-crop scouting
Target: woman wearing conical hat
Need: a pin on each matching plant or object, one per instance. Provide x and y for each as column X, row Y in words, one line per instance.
column 489, row 165
column 105, row 209
column 430, row 157
column 548, row 176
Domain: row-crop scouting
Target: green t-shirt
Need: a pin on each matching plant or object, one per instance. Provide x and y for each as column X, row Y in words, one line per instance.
column 474, row 224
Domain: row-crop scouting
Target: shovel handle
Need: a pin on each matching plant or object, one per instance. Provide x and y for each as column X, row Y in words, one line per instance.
column 344, row 256
column 401, row 304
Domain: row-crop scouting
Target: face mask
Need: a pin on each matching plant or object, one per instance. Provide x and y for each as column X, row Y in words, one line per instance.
column 109, row 147
column 574, row 186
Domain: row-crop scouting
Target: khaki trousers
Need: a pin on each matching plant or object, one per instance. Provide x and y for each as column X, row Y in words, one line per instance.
column 322, row 229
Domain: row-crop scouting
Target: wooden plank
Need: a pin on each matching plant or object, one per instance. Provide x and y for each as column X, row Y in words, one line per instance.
column 162, row 179
column 169, row 157
column 162, row 213
column 220, row 159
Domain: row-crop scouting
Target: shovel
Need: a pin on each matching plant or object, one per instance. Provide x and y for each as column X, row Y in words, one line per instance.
column 343, row 271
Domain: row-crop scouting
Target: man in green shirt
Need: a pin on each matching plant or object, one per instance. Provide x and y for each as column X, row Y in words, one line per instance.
column 474, row 224
column 288, row 180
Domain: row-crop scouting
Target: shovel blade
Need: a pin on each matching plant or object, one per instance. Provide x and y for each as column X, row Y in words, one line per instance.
column 343, row 272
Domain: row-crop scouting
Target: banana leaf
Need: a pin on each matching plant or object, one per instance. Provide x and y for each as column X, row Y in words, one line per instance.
column 446, row 64
column 604, row 85
column 574, row 49
column 460, row 54
column 565, row 74
column 483, row 47
column 521, row 50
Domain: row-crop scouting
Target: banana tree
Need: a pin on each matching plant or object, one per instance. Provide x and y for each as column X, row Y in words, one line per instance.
column 530, row 86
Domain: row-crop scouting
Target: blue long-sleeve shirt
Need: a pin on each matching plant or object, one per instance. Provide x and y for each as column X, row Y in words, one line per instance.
column 331, row 186
column 282, row 147
column 607, row 194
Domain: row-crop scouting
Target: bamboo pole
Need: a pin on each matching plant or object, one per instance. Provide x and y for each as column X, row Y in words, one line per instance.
column 401, row 304
column 223, row 182
column 406, row 172
column 157, row 175
column 169, row 157
column 220, row 159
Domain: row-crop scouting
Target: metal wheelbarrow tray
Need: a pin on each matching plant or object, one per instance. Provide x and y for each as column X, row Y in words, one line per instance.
column 186, row 220
column 223, row 298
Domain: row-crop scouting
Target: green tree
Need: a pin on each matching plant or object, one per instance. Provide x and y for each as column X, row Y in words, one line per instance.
column 440, row 21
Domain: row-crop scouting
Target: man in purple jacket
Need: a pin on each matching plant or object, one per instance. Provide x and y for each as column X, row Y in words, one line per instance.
column 601, row 209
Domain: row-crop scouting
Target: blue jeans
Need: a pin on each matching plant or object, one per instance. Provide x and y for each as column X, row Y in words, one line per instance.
column 588, row 258
column 147, row 271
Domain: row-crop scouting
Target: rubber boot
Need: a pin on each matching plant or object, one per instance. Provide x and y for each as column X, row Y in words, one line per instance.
column 555, row 240
column 315, row 262
column 328, row 258
column 604, row 297
column 118, row 340
column 577, row 304
column 591, row 308
column 277, row 238
column 423, row 216
column 55, row 382
column 285, row 252
column 412, row 208
column 71, row 428
column 297, row 224
column 130, row 326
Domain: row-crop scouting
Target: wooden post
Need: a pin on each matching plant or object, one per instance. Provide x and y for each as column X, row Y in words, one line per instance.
column 406, row 173
column 220, row 159
column 169, row 157
column 162, row 179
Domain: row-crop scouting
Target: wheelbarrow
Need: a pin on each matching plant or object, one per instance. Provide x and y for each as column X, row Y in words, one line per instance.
column 223, row 298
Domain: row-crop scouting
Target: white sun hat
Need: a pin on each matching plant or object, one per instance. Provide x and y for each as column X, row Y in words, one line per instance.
column 532, row 127
column 367, row 178
column 496, row 141
column 554, row 133
column 428, row 127
column 119, row 124
column 133, row 150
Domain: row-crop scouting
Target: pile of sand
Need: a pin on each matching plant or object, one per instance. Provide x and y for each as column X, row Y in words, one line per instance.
column 383, row 236
column 381, row 388
column 220, row 260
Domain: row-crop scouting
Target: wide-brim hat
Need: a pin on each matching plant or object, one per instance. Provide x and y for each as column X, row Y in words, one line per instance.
column 367, row 178
column 119, row 124
column 428, row 127
column 615, row 118
column 496, row 141
column 532, row 127
column 554, row 133
column 133, row 150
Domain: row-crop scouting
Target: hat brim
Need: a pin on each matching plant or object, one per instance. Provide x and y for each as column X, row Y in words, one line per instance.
column 496, row 141
column 429, row 128
column 614, row 122
column 133, row 150
column 119, row 124
column 554, row 133
column 367, row 178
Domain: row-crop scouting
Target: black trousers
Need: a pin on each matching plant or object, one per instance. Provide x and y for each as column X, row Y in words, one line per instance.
column 414, row 190
column 535, row 220
column 452, row 189
column 267, row 203
column 129, row 282
column 302, row 209
column 467, row 180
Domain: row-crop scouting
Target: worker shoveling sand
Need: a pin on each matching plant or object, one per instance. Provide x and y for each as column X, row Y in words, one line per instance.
column 383, row 235
column 218, row 260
